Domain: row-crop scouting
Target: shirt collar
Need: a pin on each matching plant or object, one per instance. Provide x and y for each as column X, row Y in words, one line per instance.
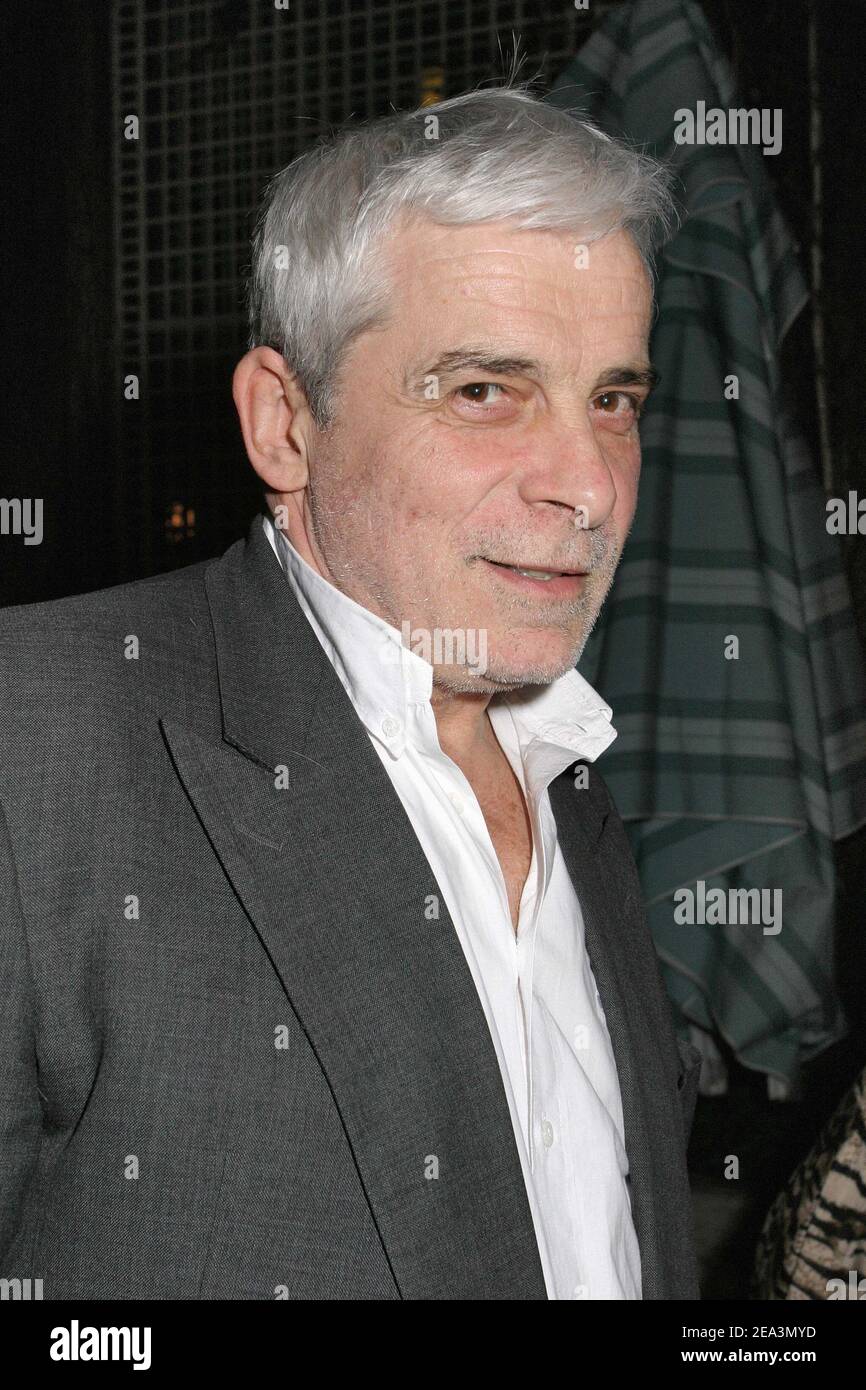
column 563, row 721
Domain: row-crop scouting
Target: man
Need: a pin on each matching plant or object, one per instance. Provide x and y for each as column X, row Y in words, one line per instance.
column 327, row 970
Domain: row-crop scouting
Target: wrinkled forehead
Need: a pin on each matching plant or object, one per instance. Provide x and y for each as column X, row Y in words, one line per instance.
column 495, row 277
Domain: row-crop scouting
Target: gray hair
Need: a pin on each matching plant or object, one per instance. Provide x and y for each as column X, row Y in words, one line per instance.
column 317, row 278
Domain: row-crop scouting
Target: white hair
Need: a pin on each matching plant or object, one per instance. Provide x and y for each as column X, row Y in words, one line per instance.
column 317, row 279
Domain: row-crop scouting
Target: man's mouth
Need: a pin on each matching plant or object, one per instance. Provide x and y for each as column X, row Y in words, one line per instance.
column 556, row 581
column 534, row 572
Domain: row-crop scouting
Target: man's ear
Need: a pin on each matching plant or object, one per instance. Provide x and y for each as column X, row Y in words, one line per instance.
column 276, row 422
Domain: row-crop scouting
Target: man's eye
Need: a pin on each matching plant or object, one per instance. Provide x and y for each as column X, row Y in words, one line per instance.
column 475, row 389
column 619, row 404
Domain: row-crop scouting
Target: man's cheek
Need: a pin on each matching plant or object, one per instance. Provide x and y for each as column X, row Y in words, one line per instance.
column 413, row 520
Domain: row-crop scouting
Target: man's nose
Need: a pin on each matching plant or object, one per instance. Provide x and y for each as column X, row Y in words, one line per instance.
column 568, row 468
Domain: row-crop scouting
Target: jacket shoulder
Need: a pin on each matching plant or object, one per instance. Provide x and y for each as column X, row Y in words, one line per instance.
column 109, row 656
column 91, row 611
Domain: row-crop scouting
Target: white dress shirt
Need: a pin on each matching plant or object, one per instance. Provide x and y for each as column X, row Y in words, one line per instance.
column 536, row 987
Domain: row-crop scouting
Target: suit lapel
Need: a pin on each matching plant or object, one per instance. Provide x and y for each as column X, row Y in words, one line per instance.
column 613, row 933
column 323, row 858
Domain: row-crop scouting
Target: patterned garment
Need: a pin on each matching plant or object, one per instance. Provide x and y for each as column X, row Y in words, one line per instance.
column 738, row 772
column 813, row 1243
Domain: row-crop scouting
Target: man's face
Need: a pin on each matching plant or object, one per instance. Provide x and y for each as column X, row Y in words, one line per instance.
column 440, row 472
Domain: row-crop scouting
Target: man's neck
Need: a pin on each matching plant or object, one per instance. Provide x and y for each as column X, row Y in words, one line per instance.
column 464, row 728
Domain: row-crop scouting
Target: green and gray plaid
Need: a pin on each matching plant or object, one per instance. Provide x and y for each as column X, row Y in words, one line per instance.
column 738, row 772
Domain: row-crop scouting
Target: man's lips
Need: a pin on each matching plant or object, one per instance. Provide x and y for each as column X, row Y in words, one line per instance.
column 562, row 583
column 520, row 565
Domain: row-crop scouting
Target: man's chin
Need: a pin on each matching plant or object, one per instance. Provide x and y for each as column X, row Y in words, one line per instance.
column 505, row 671
column 510, row 677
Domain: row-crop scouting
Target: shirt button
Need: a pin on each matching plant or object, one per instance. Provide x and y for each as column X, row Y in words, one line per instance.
column 456, row 802
column 546, row 1133
column 391, row 726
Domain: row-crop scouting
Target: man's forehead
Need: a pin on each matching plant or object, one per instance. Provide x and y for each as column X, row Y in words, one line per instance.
column 509, row 302
column 417, row 245
column 472, row 269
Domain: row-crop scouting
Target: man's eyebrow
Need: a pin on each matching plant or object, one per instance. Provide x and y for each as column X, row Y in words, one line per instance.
column 480, row 359
column 475, row 359
column 629, row 376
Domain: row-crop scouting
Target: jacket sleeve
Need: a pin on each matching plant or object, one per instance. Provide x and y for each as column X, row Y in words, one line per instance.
column 20, row 1107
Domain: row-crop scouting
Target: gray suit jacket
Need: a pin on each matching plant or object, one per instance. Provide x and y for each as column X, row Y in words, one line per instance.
column 230, row 1038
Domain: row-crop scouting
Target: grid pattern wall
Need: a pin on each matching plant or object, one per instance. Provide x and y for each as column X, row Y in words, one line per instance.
column 225, row 95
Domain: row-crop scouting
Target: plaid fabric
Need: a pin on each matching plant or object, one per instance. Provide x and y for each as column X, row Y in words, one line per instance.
column 738, row 772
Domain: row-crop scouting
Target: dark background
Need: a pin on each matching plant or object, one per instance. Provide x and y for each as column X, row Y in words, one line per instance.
column 129, row 257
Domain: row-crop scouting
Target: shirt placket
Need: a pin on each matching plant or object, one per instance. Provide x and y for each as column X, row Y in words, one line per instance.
column 527, row 945
column 469, row 816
